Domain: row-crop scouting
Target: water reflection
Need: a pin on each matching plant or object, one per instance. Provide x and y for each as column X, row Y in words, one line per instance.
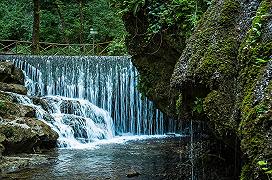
column 152, row 158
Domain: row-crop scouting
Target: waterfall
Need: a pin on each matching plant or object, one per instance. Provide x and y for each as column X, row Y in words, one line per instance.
column 90, row 97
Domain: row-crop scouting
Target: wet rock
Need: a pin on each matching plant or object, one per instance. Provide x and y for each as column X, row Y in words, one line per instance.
column 41, row 102
column 13, row 164
column 2, row 148
column 18, row 76
column 9, row 165
column 12, row 109
column 132, row 173
column 10, row 74
column 15, row 88
column 26, row 134
column 5, row 96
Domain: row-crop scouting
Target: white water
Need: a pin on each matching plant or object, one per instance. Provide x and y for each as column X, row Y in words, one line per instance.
column 87, row 99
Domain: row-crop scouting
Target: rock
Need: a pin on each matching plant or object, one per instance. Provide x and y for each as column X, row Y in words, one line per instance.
column 8, row 109
column 13, row 164
column 10, row 74
column 25, row 134
column 41, row 102
column 5, row 97
column 2, row 149
column 9, row 165
column 132, row 173
column 18, row 76
column 15, row 88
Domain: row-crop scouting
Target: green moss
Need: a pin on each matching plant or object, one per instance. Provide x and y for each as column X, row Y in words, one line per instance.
column 229, row 7
column 214, row 54
column 5, row 97
column 2, row 104
column 254, row 54
column 179, row 104
column 246, row 172
column 153, row 82
column 198, row 105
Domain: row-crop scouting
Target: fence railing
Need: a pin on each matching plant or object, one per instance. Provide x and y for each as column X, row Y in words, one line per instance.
column 45, row 48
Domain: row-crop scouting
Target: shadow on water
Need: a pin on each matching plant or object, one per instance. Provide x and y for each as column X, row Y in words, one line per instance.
column 152, row 158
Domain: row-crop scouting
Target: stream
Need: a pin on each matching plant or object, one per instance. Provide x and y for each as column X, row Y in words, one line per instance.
column 154, row 157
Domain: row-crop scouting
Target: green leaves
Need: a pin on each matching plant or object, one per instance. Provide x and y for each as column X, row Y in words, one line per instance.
column 182, row 15
column 260, row 61
column 265, row 166
column 60, row 22
column 262, row 163
column 198, row 105
column 15, row 20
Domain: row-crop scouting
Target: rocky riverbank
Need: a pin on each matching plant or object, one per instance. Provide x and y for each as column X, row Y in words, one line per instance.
column 222, row 77
column 20, row 130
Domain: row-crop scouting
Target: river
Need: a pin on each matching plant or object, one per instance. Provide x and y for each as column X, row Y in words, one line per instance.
column 154, row 157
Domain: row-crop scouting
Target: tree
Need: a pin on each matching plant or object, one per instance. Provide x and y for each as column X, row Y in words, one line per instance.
column 36, row 26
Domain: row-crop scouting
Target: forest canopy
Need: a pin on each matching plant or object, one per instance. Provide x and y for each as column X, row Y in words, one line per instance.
column 64, row 21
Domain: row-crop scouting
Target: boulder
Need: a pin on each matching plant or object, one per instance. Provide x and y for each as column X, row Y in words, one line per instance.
column 23, row 161
column 26, row 134
column 10, row 74
column 2, row 148
column 15, row 88
column 132, row 173
column 5, row 96
column 8, row 109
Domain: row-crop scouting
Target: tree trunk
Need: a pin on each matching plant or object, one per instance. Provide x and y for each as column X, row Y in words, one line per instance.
column 36, row 27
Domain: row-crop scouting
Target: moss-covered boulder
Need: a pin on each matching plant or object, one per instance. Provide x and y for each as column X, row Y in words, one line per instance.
column 154, row 59
column 15, row 88
column 20, row 131
column 8, row 109
column 228, row 58
column 223, row 76
column 10, row 74
column 26, row 135
column 255, row 85
column 2, row 148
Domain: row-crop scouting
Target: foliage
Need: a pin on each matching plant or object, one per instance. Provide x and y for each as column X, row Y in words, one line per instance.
column 117, row 47
column 198, row 105
column 60, row 22
column 265, row 166
column 15, row 20
column 163, row 15
column 179, row 103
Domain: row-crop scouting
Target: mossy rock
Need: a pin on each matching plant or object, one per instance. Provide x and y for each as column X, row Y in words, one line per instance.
column 5, row 97
column 15, row 88
column 256, row 87
column 13, row 109
column 10, row 74
column 26, row 134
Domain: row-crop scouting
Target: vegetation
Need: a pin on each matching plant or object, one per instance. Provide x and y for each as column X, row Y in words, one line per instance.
column 163, row 15
column 63, row 21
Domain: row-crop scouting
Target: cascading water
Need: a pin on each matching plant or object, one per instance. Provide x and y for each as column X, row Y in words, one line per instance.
column 89, row 98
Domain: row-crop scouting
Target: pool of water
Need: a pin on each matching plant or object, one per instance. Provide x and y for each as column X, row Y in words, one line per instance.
column 153, row 158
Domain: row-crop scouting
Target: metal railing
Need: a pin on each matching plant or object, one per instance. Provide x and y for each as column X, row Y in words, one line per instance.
column 45, row 48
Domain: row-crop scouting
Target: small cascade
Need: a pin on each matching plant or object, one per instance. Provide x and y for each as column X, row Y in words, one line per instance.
column 76, row 121
column 89, row 98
